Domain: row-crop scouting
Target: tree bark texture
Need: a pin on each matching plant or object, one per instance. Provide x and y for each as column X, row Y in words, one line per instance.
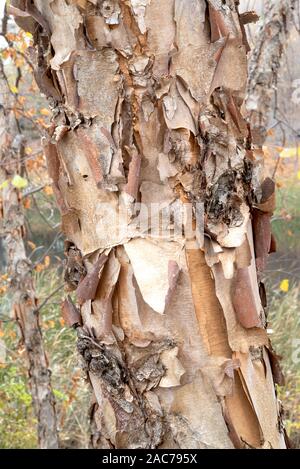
column 147, row 99
column 19, row 268
column 265, row 63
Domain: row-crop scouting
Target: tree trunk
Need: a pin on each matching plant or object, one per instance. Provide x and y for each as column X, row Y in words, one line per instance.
column 154, row 174
column 19, row 269
column 265, row 64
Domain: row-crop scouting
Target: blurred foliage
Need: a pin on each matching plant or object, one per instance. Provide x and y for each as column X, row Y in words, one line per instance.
column 17, row 424
column 283, row 288
column 15, row 409
column 284, row 320
column 286, row 220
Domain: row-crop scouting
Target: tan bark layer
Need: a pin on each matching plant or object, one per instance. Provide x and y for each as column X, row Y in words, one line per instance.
column 150, row 110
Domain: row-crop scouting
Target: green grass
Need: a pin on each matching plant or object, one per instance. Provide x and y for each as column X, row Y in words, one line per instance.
column 284, row 320
column 286, row 220
column 17, row 422
column 284, row 308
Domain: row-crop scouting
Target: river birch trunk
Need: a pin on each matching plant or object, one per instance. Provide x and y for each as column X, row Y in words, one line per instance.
column 147, row 99
column 19, row 269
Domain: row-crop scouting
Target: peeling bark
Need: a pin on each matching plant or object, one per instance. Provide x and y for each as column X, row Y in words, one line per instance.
column 19, row 267
column 151, row 97
column 265, row 63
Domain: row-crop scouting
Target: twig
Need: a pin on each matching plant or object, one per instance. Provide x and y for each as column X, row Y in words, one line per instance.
column 48, row 298
column 58, row 235
column 41, row 214
column 34, row 190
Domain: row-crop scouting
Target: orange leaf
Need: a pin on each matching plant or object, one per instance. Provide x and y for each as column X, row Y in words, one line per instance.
column 26, row 203
column 48, row 190
column 31, row 244
column 39, row 267
column 45, row 112
column 62, row 322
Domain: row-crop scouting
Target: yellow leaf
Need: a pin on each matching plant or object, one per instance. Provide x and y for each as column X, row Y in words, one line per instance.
column 29, row 35
column 284, row 285
column 31, row 244
column 4, row 184
column 1, row 333
column 45, row 112
column 28, row 150
column 290, row 152
column 14, row 89
column 298, row 175
column 47, row 261
column 19, row 182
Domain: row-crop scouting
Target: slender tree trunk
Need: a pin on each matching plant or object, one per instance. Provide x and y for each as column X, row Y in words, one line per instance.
column 147, row 102
column 19, row 269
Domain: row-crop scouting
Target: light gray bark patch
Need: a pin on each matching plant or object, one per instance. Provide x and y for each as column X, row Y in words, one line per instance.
column 97, row 84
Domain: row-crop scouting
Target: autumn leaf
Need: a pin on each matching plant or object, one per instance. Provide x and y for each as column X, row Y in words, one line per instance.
column 289, row 152
column 14, row 89
column 3, row 289
column 50, row 323
column 48, row 190
column 28, row 150
column 45, row 112
column 31, row 244
column 39, row 267
column 279, row 149
column 4, row 184
column 26, row 203
column 47, row 261
column 19, row 182
column 62, row 322
column 284, row 285
column 12, row 334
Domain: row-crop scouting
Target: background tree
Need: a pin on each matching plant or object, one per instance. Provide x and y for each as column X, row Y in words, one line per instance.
column 147, row 104
column 19, row 269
